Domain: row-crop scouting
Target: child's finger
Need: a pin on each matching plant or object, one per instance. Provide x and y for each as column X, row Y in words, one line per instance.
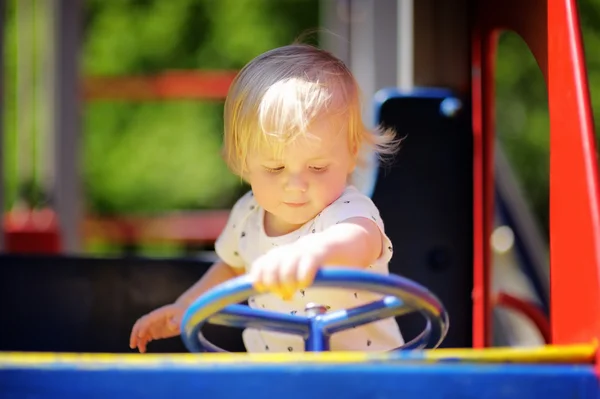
column 270, row 280
column 306, row 272
column 143, row 328
column 142, row 343
column 257, row 278
column 288, row 282
column 133, row 338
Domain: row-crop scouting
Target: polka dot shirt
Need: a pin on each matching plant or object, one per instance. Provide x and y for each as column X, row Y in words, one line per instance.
column 244, row 239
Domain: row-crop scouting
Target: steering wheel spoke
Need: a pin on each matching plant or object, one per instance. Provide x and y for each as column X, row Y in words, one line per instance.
column 246, row 317
column 344, row 319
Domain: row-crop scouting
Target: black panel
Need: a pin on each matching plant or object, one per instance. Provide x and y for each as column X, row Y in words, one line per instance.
column 426, row 201
column 90, row 304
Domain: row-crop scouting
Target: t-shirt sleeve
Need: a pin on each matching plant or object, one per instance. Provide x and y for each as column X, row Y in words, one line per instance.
column 227, row 244
column 355, row 204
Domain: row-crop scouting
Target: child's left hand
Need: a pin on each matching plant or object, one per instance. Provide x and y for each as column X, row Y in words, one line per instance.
column 289, row 268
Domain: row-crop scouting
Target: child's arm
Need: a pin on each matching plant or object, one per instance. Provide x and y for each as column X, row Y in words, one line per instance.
column 164, row 322
column 217, row 274
column 353, row 242
column 230, row 263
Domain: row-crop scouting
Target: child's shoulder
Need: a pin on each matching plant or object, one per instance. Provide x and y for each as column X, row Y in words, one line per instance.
column 352, row 203
column 247, row 198
column 246, row 203
column 352, row 196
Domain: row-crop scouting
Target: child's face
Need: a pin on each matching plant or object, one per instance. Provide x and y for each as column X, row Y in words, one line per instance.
column 311, row 173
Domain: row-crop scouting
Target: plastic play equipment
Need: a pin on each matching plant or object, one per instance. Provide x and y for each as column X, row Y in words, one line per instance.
column 426, row 200
column 567, row 368
column 402, row 296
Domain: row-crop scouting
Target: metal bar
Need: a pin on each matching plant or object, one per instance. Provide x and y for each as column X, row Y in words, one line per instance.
column 172, row 85
column 335, row 19
column 405, row 51
column 24, row 98
column 373, row 47
column 45, row 97
column 67, row 195
column 441, row 44
column 372, row 59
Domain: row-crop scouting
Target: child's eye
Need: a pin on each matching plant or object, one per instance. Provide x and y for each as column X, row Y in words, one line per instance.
column 273, row 170
column 319, row 168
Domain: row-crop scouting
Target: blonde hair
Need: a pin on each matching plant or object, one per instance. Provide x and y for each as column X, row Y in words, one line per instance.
column 276, row 96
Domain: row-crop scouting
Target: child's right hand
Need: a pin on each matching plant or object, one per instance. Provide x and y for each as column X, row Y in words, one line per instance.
column 160, row 323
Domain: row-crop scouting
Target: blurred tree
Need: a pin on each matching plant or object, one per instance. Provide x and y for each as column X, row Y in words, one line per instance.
column 151, row 157
column 158, row 156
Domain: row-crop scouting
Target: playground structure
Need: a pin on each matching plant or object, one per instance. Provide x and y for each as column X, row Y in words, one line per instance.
column 463, row 39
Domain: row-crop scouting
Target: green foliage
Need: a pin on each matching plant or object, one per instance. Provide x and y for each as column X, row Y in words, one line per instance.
column 156, row 157
column 153, row 157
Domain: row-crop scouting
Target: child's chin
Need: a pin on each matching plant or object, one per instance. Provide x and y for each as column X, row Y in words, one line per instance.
column 298, row 220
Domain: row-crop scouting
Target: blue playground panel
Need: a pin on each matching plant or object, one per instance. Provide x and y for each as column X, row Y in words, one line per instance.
column 314, row 380
column 549, row 372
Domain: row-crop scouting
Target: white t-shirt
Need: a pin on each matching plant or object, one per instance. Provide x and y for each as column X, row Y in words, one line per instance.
column 244, row 240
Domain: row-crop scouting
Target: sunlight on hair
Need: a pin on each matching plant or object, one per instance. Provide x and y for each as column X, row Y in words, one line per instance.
column 279, row 94
column 289, row 107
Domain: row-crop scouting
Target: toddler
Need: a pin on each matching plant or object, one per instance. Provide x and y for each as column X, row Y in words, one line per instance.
column 294, row 132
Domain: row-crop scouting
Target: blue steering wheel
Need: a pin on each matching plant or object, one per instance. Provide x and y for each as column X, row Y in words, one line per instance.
column 220, row 305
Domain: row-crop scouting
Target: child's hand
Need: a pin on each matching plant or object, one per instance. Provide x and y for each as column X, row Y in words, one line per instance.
column 288, row 268
column 160, row 323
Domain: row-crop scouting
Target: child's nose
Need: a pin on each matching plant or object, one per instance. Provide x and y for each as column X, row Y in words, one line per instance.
column 296, row 183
